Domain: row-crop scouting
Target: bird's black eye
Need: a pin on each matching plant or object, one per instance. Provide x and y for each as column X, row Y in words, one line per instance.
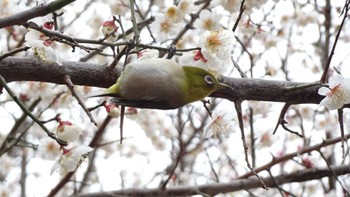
column 209, row 80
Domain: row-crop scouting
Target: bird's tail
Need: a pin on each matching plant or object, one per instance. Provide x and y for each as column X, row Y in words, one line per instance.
column 99, row 93
column 111, row 91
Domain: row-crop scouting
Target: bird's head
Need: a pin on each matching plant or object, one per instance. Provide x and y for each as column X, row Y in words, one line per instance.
column 201, row 83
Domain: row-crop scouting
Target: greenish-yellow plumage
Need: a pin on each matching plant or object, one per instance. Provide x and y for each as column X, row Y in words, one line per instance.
column 162, row 84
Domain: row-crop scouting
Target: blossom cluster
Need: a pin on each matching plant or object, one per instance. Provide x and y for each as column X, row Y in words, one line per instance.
column 71, row 158
column 42, row 45
column 215, row 52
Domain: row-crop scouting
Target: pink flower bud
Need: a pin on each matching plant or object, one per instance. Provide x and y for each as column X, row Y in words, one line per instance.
column 199, row 56
column 112, row 110
column 110, row 30
column 68, row 132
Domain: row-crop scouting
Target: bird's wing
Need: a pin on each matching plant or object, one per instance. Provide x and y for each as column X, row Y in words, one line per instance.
column 150, row 82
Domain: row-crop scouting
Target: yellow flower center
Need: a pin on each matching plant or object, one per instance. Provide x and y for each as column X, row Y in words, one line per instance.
column 335, row 91
column 171, row 12
column 165, row 26
column 213, row 40
column 51, row 146
column 208, row 24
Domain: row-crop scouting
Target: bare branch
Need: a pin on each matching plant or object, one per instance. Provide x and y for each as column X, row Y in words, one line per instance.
column 236, row 185
column 286, row 157
column 40, row 10
column 70, row 85
column 88, row 74
column 25, row 110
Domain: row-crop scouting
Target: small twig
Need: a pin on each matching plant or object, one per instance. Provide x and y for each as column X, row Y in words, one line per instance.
column 171, row 52
column 54, row 18
column 243, row 75
column 94, row 141
column 126, row 50
column 119, row 21
column 212, row 166
column 171, row 169
column 14, row 51
column 283, row 124
column 15, row 128
column 112, row 33
column 74, row 42
column 39, row 10
column 70, row 85
column 110, row 142
column 289, row 156
column 245, row 146
column 326, row 68
column 341, row 125
column 241, row 10
column 136, row 38
column 121, row 124
column 302, row 86
column 333, row 173
column 51, row 119
column 143, row 18
column 97, row 106
column 205, row 102
column 252, row 136
column 275, row 182
column 189, row 24
column 25, row 110
column 281, row 116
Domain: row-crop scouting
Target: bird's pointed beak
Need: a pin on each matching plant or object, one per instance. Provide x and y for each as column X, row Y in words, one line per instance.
column 223, row 86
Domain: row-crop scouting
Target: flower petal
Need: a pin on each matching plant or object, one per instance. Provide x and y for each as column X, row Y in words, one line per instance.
column 335, row 80
column 323, row 91
column 331, row 104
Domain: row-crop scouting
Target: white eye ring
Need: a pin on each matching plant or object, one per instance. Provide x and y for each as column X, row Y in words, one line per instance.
column 209, row 80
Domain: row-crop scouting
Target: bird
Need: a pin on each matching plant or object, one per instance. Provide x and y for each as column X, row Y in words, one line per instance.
column 159, row 83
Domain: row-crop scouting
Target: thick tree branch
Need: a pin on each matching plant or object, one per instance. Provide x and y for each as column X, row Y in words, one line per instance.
column 28, row 69
column 40, row 10
column 236, row 185
column 88, row 74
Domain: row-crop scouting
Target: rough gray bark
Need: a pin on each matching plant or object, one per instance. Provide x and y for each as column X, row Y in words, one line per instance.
column 236, row 185
column 88, row 74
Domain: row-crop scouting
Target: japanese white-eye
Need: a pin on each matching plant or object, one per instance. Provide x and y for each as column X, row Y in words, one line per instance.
column 161, row 84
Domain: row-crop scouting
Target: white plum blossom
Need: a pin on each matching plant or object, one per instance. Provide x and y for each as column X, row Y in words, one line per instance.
column 218, row 43
column 174, row 14
column 110, row 30
column 120, row 7
column 67, row 131
column 230, row 5
column 215, row 53
column 48, row 149
column 187, row 6
column 337, row 94
column 193, row 58
column 217, row 47
column 163, row 27
column 41, row 44
column 196, row 59
column 208, row 21
column 71, row 159
column 220, row 125
column 250, row 4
